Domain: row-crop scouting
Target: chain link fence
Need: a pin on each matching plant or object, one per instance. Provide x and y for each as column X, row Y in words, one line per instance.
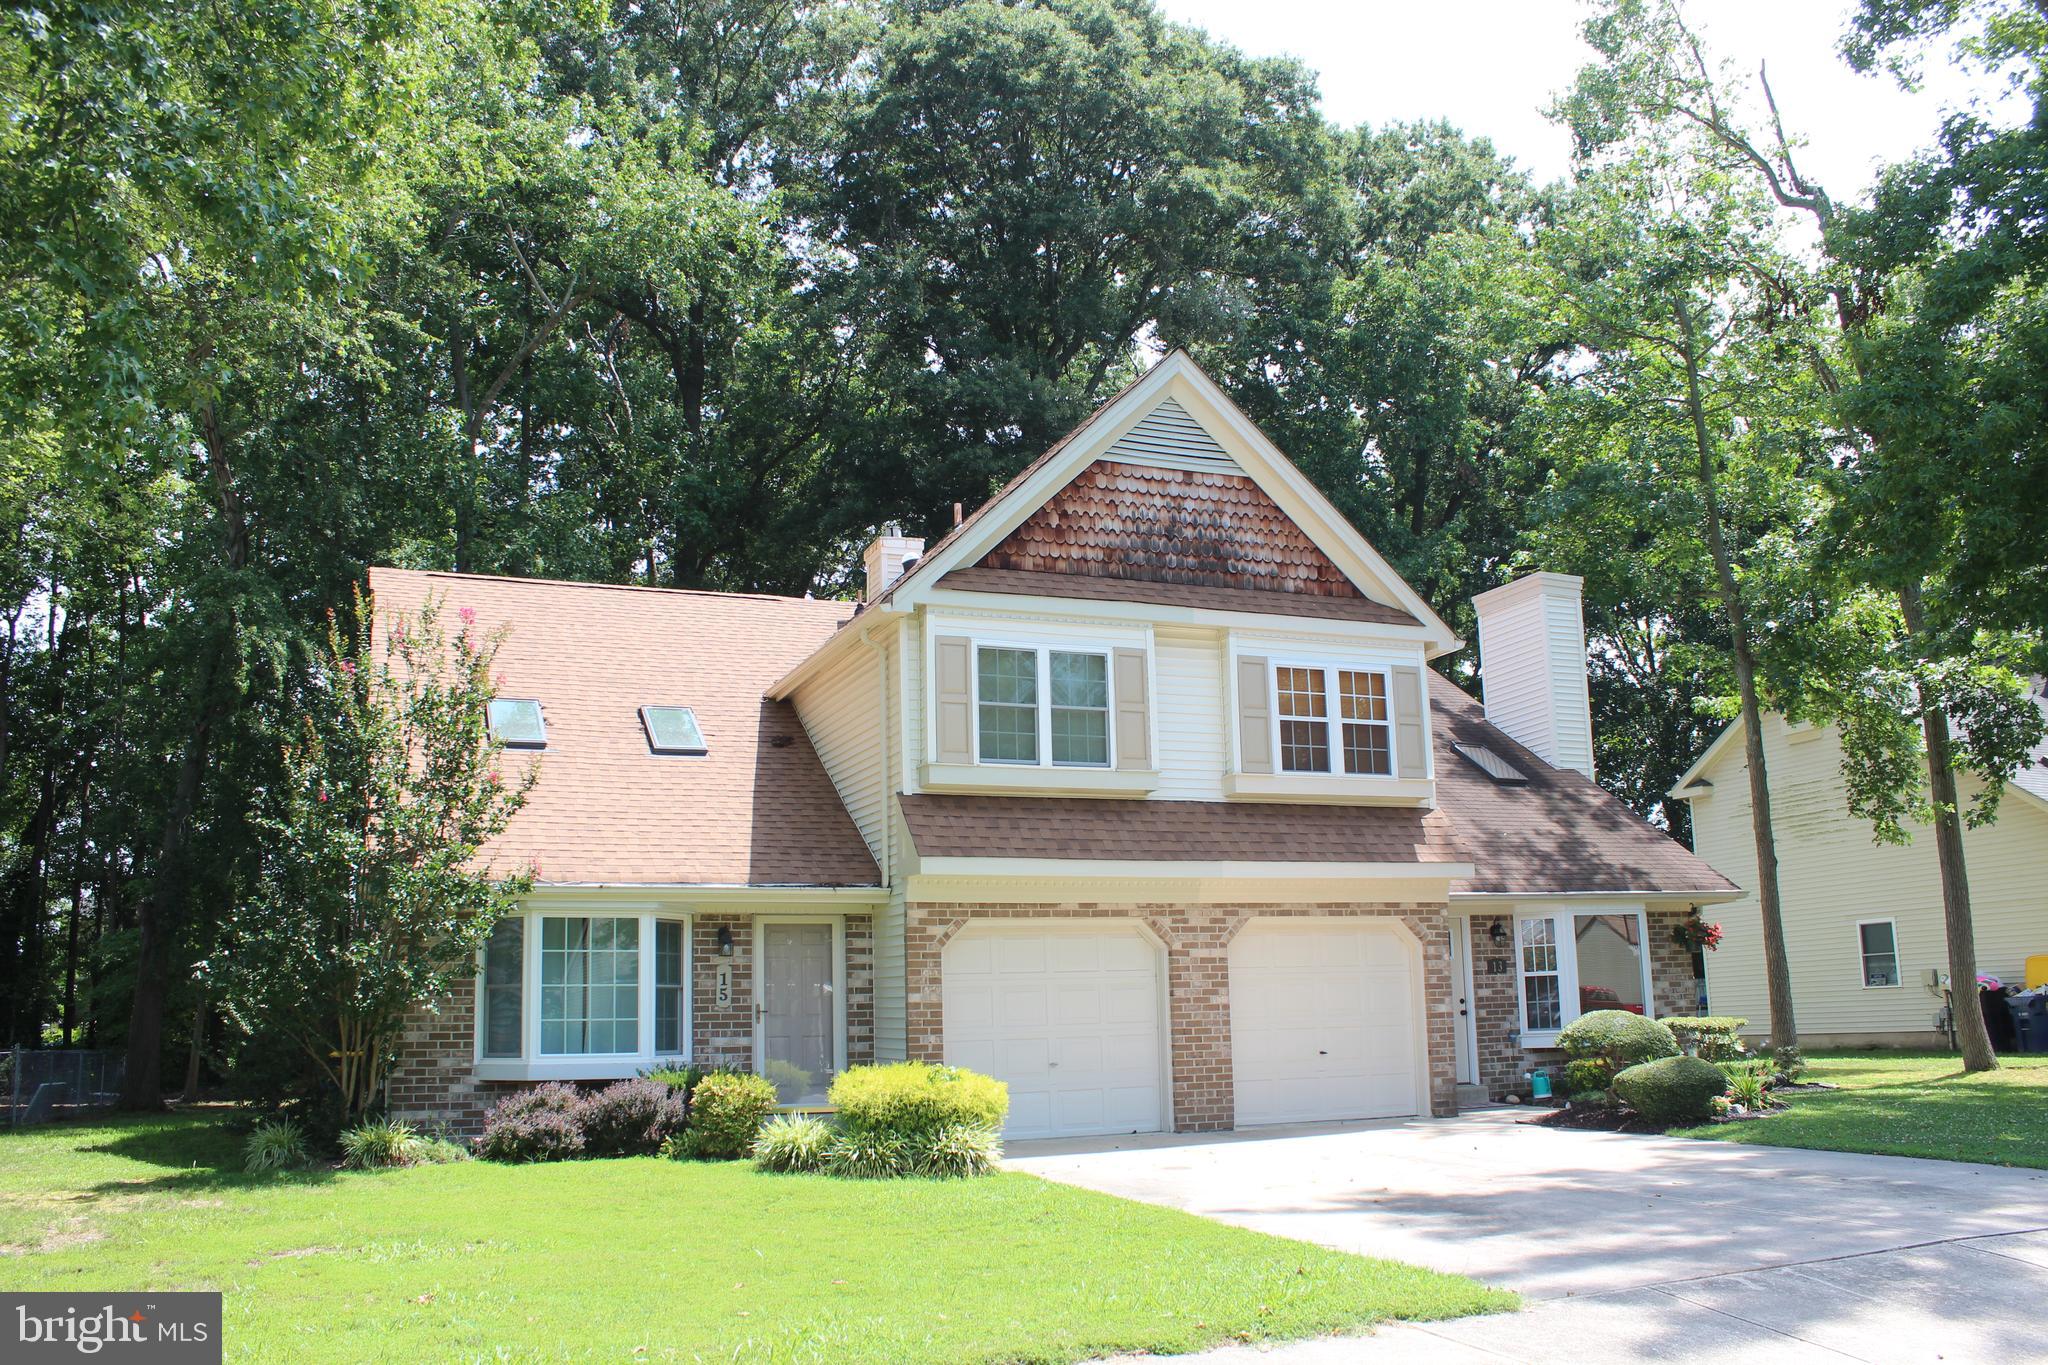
column 49, row 1083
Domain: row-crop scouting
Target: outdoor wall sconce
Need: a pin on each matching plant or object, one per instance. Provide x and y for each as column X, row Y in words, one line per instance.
column 724, row 941
column 1498, row 933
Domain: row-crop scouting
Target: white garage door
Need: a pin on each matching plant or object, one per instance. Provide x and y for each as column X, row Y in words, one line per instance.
column 1067, row 1016
column 1322, row 1022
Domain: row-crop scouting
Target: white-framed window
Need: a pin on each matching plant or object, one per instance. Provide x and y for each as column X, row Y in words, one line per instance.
column 1877, row 946
column 516, row 722
column 1035, row 706
column 1571, row 962
column 1309, row 699
column 604, row 991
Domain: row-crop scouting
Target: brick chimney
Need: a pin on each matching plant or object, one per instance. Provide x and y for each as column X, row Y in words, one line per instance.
column 1532, row 667
column 888, row 555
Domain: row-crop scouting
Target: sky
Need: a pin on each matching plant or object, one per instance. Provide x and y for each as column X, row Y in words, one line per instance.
column 1490, row 66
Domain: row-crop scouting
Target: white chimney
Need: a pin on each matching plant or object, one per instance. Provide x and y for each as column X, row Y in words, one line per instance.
column 1532, row 667
column 888, row 555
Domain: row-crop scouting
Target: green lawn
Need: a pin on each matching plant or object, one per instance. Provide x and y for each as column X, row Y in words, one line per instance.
column 685, row 1260
column 1912, row 1104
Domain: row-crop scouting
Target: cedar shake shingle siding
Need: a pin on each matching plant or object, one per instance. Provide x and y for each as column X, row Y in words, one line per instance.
column 755, row 809
column 1201, row 528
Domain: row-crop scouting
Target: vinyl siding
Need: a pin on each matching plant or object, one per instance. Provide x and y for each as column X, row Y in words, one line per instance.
column 1832, row 876
column 841, row 711
column 1190, row 721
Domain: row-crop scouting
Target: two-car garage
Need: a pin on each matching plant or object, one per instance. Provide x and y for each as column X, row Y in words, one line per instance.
column 1321, row 1016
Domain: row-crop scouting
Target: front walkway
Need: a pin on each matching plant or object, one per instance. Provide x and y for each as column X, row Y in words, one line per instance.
column 1695, row 1250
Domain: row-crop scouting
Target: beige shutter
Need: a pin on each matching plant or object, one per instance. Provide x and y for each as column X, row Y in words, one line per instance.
column 1133, row 711
column 1254, row 716
column 953, row 719
column 1409, row 740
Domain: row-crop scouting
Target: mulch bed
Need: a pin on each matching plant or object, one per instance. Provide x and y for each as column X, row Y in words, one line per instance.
column 1598, row 1118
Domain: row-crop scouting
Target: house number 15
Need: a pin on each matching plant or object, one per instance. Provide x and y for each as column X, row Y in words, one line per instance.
column 724, row 983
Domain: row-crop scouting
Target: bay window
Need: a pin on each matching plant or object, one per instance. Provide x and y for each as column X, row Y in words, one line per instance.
column 1032, row 705
column 1569, row 963
column 583, row 995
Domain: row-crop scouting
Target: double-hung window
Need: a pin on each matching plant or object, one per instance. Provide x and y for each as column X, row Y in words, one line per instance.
column 593, row 994
column 1308, row 699
column 1568, row 964
column 1038, row 705
column 1877, row 940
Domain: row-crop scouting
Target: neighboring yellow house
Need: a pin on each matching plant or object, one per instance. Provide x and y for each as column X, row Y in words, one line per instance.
column 1863, row 921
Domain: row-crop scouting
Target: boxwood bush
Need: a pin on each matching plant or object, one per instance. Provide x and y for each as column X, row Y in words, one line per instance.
column 727, row 1110
column 909, row 1099
column 1712, row 1036
column 1671, row 1090
column 1618, row 1037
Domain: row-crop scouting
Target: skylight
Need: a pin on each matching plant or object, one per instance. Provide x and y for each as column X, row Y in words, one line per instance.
column 672, row 730
column 1492, row 764
column 517, row 723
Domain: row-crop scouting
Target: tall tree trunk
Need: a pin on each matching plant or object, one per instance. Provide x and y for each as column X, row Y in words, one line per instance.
column 1777, row 963
column 191, row 1091
column 1955, row 874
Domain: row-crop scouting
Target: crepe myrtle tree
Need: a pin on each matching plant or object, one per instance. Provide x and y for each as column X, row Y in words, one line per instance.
column 372, row 900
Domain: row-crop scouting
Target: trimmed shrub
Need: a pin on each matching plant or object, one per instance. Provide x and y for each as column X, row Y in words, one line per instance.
column 726, row 1112
column 911, row 1098
column 1618, row 1038
column 274, row 1145
column 540, row 1124
column 630, row 1118
column 379, row 1143
column 1671, row 1090
column 1713, row 1037
column 1586, row 1079
column 956, row 1152
column 868, row 1154
column 794, row 1142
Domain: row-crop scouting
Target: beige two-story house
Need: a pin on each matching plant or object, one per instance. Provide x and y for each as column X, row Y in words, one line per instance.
column 1139, row 790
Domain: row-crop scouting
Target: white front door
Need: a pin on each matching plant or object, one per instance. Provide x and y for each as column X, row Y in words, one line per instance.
column 1467, row 1035
column 795, row 1010
column 1323, row 1021
column 1066, row 1015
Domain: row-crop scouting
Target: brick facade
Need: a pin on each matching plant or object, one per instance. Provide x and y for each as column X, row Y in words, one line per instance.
column 435, row 1080
column 1197, row 940
column 1495, row 1002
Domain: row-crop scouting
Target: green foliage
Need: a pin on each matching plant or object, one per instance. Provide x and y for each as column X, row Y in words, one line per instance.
column 1714, row 1037
column 274, row 1145
column 1616, row 1038
column 1671, row 1090
column 438, row 1151
column 794, row 1142
column 727, row 1110
column 955, row 1152
column 678, row 1078
column 376, row 1143
column 1749, row 1087
column 1584, row 1076
column 868, row 1154
column 908, row 1098
column 1790, row 1061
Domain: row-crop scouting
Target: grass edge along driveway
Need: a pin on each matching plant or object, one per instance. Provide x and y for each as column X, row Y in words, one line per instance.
column 683, row 1259
column 1898, row 1103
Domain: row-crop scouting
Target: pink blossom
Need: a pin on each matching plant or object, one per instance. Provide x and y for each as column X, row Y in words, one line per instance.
column 494, row 779
column 323, row 796
column 398, row 633
column 348, row 666
column 468, row 615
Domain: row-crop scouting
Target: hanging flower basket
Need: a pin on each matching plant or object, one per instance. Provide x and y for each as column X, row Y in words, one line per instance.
column 1694, row 932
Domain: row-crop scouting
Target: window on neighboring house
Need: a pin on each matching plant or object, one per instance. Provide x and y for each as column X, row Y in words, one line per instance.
column 1571, row 964
column 516, row 723
column 589, row 985
column 1031, row 705
column 1304, row 712
column 671, row 730
column 1879, row 941
column 504, row 971
column 670, row 962
column 1303, row 705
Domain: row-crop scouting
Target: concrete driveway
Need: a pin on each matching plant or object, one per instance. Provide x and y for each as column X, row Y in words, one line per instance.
column 1629, row 1248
